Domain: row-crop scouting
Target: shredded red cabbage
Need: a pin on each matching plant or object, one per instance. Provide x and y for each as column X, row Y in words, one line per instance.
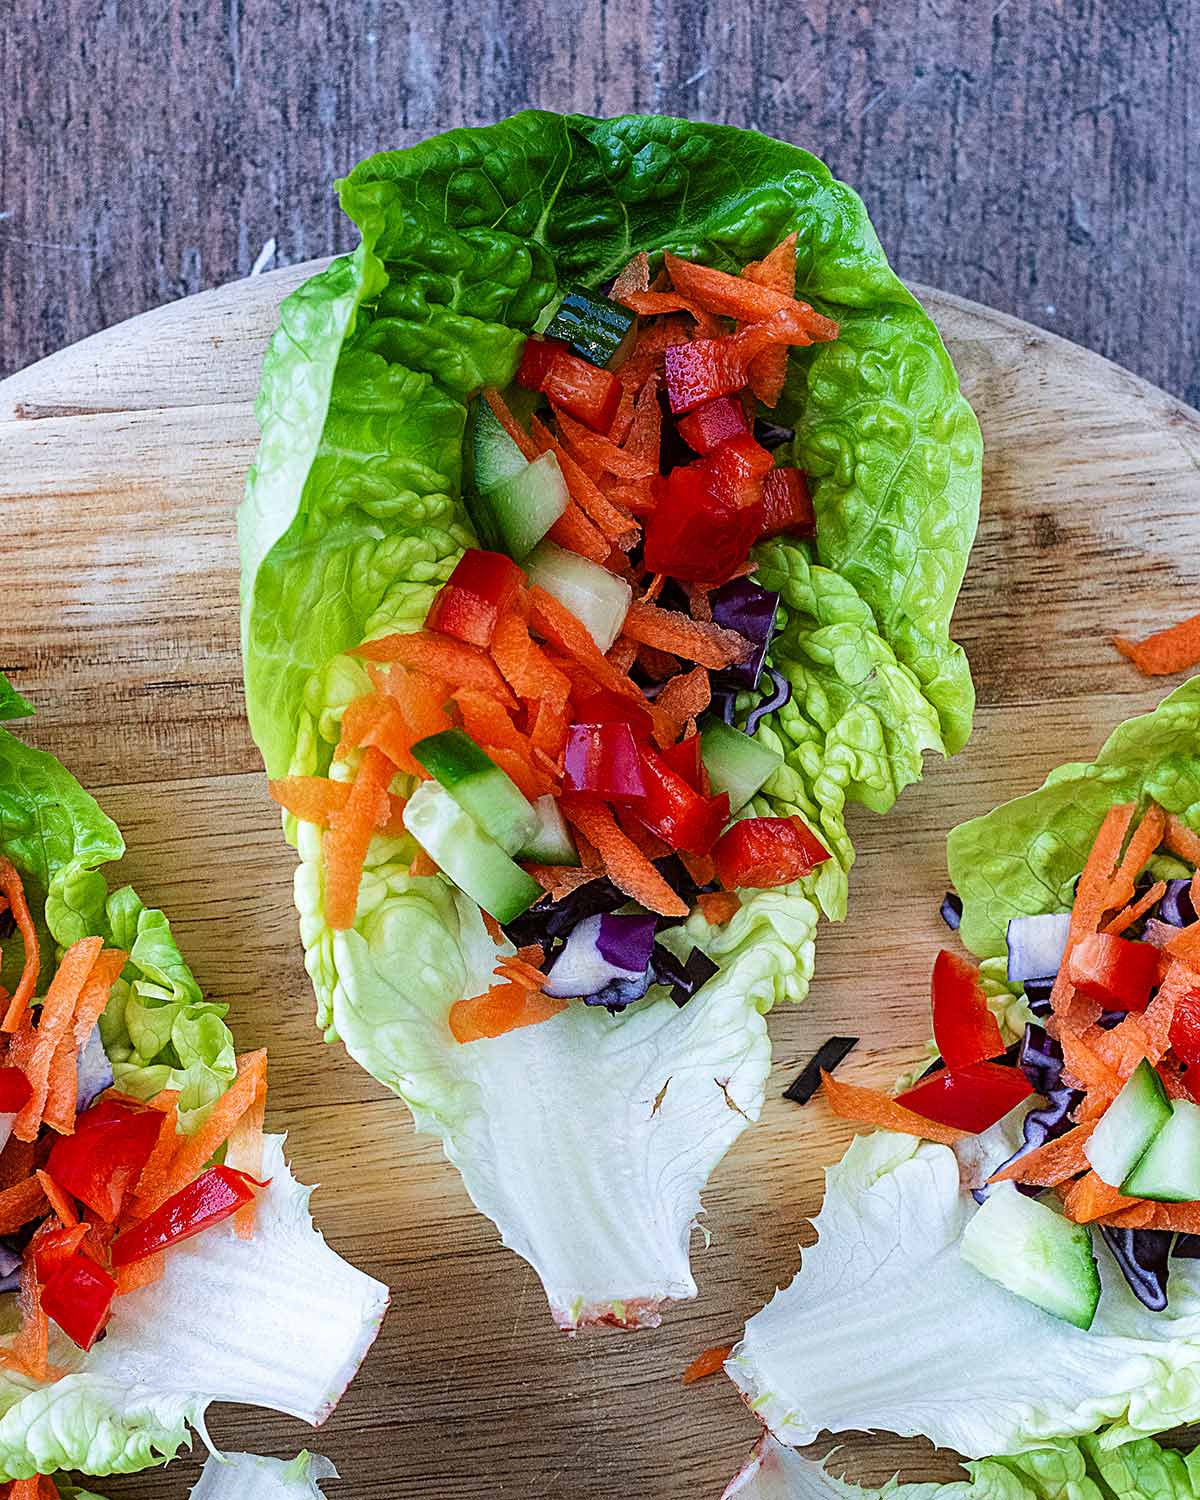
column 827, row 1056
column 1144, row 1258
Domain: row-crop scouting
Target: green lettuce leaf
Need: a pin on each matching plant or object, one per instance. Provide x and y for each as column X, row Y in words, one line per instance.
column 1139, row 1470
column 884, row 1293
column 354, row 516
column 246, row 1476
column 12, row 705
column 1023, row 857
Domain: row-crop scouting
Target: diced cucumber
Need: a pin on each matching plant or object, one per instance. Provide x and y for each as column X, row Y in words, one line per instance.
column 735, row 763
column 550, row 842
column 1035, row 1252
column 521, row 509
column 596, row 329
column 1170, row 1170
column 493, row 454
column 1128, row 1126
column 594, row 595
column 479, row 787
column 474, row 862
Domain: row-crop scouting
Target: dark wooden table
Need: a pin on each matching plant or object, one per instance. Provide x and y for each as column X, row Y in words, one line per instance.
column 1029, row 154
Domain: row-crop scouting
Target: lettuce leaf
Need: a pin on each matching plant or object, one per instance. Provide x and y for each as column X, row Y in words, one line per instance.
column 277, row 1320
column 1023, row 857
column 1139, row 1470
column 12, row 705
column 354, row 516
column 240, row 1476
column 886, row 1327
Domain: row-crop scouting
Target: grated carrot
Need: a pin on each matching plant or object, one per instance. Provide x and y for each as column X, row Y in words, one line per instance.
column 653, row 304
column 1185, row 946
column 1049, row 1164
column 623, row 420
column 733, row 297
column 505, row 1007
column 244, row 1152
column 640, row 836
column 515, row 971
column 1181, row 840
column 560, row 880
column 525, row 666
column 718, row 907
column 606, row 518
column 147, row 1271
column 14, row 893
column 32, row 1343
column 570, row 635
column 532, row 953
column 707, row 1363
column 1175, row 649
column 685, row 697
column 1090, row 1197
column 441, row 656
column 869, row 1107
column 17, row 1162
column 635, row 277
column 1180, row 1218
column 510, row 424
column 1129, row 914
column 603, row 452
column 20, row 1203
column 659, row 664
column 626, row 866
column 158, row 1163
column 647, row 357
column 1125, row 1046
column 699, row 603
column 494, row 929
column 1144, row 840
column 62, row 1083
column 644, row 439
column 576, row 533
column 422, row 866
column 622, row 654
column 376, row 719
column 349, row 837
column 776, row 270
column 1092, row 899
column 706, row 645
column 699, row 866
column 59, row 1201
column 32, row 1050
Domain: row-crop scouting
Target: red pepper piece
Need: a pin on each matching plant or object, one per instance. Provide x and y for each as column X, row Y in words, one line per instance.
column 52, row 1248
column 787, row 506
column 681, row 816
column 469, row 604
column 737, row 470
column 684, row 759
column 15, row 1091
column 215, row 1195
column 606, row 707
column 971, row 1098
column 1116, row 971
column 700, row 372
column 764, row 852
column 1185, row 1029
column 105, row 1156
column 963, row 1027
column 78, row 1296
column 602, row 759
column 695, row 535
column 584, row 391
column 713, row 423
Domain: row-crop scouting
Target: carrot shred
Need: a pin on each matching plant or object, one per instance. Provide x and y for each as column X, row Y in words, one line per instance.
column 516, row 971
column 605, row 518
column 20, row 1203
column 1090, row 1197
column 441, row 656
column 644, row 438
column 62, row 1082
column 686, row 696
column 158, row 1163
column 776, row 270
column 733, row 297
column 505, row 1007
column 32, row 1049
column 148, row 1270
column 647, row 357
column 532, row 953
column 576, row 533
column 14, row 894
column 659, row 664
column 1052, row 1163
column 1125, row 1046
column 1086, row 1070
column 549, row 733
column 652, row 304
column 635, row 277
column 1129, row 914
column 1180, row 1218
column 707, row 1363
column 58, row 1200
column 1073, row 1012
column 376, row 719
column 193, row 1152
column 349, row 837
column 526, row 667
column 640, row 837
column 1175, row 649
column 622, row 654
column 626, row 866
column 869, row 1107
column 1182, row 841
column 244, row 1152
column 312, row 799
column 706, row 645
column 510, row 424
column 1144, row 840
column 570, row 635
column 699, row 866
column 560, row 880
column 603, row 452
column 718, row 907
column 32, row 1343
column 421, row 866
column 1185, row 946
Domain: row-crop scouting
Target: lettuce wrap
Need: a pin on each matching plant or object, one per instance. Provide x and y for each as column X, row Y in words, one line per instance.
column 277, row 1319
column 886, row 1326
column 588, row 1139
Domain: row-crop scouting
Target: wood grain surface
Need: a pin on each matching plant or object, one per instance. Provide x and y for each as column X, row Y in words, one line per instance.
column 124, row 459
column 1038, row 155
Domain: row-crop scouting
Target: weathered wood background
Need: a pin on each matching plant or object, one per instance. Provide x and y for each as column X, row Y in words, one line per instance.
column 1031, row 154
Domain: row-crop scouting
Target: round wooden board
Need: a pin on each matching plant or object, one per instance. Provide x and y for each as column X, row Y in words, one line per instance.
column 124, row 460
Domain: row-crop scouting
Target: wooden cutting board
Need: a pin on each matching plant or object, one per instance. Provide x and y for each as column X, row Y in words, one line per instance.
column 123, row 462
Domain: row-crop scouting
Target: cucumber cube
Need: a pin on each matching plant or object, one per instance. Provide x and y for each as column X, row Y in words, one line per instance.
column 1170, row 1170
column 461, row 849
column 1128, row 1126
column 1036, row 1253
column 479, row 787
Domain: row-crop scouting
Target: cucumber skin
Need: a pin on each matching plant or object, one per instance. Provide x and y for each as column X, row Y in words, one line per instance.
column 1011, row 1234
column 481, row 788
column 726, row 751
column 472, row 860
column 1178, row 1142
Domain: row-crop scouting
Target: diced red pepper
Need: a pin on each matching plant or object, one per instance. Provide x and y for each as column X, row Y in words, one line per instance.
column 787, row 506
column 971, row 1098
column 105, row 1156
column 584, row 391
column 469, row 604
column 712, row 424
column 215, row 1195
column 695, row 535
column 52, row 1248
column 1185, row 1029
column 15, row 1091
column 702, row 371
column 763, row 852
column 684, row 759
column 1116, row 971
column 964, row 1028
column 681, row 816
column 602, row 759
column 78, row 1296
column 736, row 471
column 606, row 707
